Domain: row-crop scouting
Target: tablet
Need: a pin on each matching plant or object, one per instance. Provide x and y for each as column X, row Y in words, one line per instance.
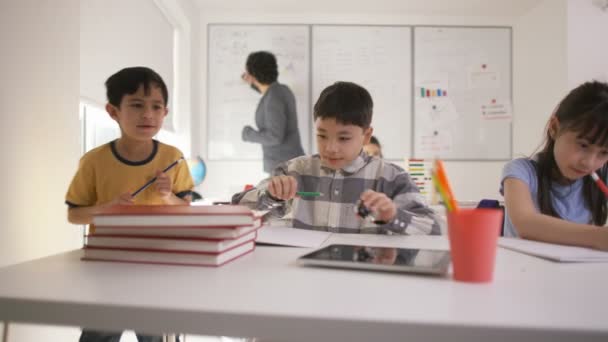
column 424, row 261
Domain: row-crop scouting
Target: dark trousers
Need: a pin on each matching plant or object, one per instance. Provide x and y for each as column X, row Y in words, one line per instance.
column 104, row 336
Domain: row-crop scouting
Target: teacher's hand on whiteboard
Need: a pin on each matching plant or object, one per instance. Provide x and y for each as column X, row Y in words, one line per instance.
column 247, row 78
column 247, row 132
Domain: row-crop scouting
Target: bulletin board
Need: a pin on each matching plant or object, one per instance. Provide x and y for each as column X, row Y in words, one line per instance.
column 462, row 93
column 379, row 59
column 438, row 91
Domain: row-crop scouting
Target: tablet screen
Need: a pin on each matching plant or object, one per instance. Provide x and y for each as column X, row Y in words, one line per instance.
column 379, row 258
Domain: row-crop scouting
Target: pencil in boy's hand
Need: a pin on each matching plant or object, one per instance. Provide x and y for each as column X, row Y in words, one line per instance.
column 600, row 183
column 442, row 180
column 308, row 194
column 172, row 165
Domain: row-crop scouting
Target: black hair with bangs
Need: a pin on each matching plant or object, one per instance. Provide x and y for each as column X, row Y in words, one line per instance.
column 583, row 111
column 128, row 81
column 346, row 102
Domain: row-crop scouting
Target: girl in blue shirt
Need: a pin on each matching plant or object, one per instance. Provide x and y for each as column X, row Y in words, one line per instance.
column 550, row 196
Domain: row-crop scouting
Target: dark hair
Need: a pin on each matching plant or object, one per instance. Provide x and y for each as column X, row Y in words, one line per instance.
column 375, row 141
column 263, row 66
column 584, row 111
column 347, row 102
column 128, row 80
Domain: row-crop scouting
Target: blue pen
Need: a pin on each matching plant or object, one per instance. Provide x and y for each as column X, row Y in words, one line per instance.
column 154, row 179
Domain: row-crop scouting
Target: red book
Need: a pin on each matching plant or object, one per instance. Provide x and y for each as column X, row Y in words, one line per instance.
column 208, row 232
column 167, row 257
column 157, row 243
column 175, row 215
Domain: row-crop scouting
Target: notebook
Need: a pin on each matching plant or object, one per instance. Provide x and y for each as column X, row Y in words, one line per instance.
column 561, row 253
column 174, row 215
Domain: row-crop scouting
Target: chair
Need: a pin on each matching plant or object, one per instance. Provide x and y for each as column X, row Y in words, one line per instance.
column 493, row 204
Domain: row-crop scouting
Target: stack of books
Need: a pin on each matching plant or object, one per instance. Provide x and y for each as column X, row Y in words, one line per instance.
column 172, row 234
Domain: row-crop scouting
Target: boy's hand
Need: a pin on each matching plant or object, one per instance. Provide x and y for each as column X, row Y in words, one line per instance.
column 377, row 202
column 163, row 185
column 123, row 199
column 282, row 187
column 385, row 255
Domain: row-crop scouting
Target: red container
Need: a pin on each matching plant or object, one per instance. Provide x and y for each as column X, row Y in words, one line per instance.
column 473, row 234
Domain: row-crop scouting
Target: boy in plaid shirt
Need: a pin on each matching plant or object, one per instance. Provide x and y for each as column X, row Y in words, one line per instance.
column 345, row 176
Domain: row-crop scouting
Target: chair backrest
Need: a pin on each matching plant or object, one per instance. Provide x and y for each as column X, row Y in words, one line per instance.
column 492, row 203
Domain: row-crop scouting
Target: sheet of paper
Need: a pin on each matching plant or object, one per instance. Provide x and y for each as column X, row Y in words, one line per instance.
column 397, row 241
column 284, row 236
column 554, row 252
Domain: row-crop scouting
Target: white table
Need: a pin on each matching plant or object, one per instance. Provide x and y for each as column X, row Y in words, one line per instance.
column 266, row 295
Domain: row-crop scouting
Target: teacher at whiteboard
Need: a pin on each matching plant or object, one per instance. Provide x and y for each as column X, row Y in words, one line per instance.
column 275, row 117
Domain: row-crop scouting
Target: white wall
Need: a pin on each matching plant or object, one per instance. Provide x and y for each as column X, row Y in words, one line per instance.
column 39, row 135
column 155, row 33
column 539, row 44
column 116, row 34
column 541, row 72
column 587, row 36
column 39, row 129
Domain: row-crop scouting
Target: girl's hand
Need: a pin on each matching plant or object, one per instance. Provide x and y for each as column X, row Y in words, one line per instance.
column 380, row 205
column 601, row 239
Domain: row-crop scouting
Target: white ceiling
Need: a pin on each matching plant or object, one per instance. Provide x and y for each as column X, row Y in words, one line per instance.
column 509, row 8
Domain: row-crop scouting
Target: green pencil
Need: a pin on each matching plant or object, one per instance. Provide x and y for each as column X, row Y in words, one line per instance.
column 309, row 194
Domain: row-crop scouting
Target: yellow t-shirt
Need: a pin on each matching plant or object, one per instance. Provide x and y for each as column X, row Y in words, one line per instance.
column 103, row 175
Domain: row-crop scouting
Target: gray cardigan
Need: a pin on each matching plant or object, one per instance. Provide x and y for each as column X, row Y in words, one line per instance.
column 277, row 122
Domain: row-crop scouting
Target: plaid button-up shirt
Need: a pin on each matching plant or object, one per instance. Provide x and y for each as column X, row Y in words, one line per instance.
column 334, row 210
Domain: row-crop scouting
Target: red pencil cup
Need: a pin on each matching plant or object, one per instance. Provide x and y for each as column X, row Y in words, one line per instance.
column 473, row 234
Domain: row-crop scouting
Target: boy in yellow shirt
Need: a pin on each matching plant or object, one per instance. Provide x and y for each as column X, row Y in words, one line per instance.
column 111, row 173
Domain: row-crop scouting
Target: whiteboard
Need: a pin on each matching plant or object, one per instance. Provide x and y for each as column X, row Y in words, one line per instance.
column 462, row 93
column 379, row 59
column 232, row 103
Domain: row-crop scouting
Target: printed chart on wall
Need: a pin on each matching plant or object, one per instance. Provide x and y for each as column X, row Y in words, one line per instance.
column 462, row 93
column 232, row 103
column 379, row 59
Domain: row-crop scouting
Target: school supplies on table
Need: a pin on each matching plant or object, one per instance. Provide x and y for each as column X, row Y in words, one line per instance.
column 440, row 180
column 151, row 181
column 171, row 234
column 555, row 252
column 599, row 183
column 473, row 234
